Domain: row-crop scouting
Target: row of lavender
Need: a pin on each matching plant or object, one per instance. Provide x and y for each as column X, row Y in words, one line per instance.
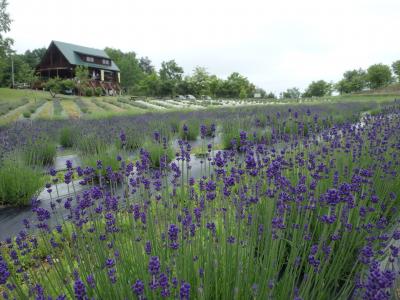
column 23, row 134
column 315, row 219
column 29, row 148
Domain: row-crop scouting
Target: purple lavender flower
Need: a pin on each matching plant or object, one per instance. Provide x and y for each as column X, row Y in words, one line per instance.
column 4, row 272
column 68, row 163
column 122, row 137
column 154, row 265
column 184, row 292
column 148, row 248
column 90, row 281
column 80, row 290
column 138, row 288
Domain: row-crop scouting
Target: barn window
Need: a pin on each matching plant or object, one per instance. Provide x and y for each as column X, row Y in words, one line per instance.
column 89, row 59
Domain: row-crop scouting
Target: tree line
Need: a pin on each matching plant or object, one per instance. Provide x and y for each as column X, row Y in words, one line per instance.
column 353, row 81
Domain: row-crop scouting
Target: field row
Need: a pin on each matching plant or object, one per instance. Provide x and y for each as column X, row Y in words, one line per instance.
column 72, row 108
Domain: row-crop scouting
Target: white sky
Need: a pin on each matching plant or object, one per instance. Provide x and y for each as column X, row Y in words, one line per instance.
column 276, row 44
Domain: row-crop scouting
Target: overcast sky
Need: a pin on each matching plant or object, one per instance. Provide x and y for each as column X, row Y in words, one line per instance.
column 276, row 44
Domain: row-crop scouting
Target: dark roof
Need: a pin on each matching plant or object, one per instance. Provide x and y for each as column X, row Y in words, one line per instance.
column 70, row 51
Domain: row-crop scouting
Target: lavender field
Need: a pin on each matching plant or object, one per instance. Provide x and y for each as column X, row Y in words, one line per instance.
column 261, row 202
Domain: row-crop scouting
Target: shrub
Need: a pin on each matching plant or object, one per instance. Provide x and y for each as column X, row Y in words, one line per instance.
column 90, row 144
column 230, row 131
column 134, row 140
column 108, row 158
column 157, row 152
column 67, row 137
column 88, row 92
column 98, row 91
column 54, row 86
column 26, row 114
column 18, row 183
column 39, row 153
column 192, row 127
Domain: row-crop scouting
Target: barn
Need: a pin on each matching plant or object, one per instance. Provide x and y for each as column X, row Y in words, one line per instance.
column 61, row 60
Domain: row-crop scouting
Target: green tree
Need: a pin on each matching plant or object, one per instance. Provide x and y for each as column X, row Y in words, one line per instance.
column 292, row 93
column 396, row 69
column 131, row 72
column 243, row 93
column 5, row 44
column 379, row 75
column 170, row 76
column 186, row 86
column 353, row 81
column 215, row 85
column 33, row 58
column 145, row 65
column 54, row 86
column 234, row 84
column 25, row 74
column 318, row 88
column 201, row 81
column 261, row 91
column 270, row 95
column 82, row 76
column 149, row 85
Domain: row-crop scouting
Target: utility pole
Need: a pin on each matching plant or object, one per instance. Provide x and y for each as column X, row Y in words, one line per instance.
column 12, row 71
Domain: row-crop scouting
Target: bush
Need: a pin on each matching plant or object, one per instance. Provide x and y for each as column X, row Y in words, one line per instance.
column 26, row 114
column 134, row 140
column 156, row 152
column 18, row 183
column 193, row 127
column 68, row 84
column 90, row 144
column 108, row 158
column 88, row 92
column 40, row 153
column 67, row 137
column 230, row 131
column 98, row 91
column 54, row 86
